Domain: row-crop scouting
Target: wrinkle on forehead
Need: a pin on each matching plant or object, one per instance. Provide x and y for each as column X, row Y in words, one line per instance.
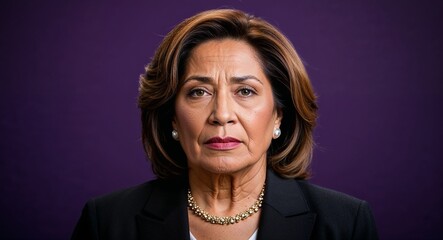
column 225, row 64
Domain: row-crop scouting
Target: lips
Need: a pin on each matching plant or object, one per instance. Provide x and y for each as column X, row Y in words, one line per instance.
column 219, row 143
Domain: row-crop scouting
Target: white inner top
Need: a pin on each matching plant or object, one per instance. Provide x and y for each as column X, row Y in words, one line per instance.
column 253, row 236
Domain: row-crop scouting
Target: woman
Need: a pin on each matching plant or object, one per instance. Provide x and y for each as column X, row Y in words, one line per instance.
column 228, row 113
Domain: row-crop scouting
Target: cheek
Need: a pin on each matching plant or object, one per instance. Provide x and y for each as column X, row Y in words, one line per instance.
column 261, row 123
column 188, row 122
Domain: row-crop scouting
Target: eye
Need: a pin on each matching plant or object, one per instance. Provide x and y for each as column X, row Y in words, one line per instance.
column 245, row 92
column 197, row 92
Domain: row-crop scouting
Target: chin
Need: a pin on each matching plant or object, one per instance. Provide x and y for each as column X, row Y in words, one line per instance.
column 225, row 166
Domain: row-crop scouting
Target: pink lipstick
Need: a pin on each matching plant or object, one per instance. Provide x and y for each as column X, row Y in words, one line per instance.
column 219, row 143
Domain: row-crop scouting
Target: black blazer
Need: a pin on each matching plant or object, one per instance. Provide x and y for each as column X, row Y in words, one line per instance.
column 292, row 209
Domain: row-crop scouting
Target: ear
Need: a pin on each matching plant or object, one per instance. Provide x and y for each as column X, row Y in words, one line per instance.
column 174, row 123
column 278, row 118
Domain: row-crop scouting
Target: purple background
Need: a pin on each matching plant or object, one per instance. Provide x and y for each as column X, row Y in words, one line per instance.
column 70, row 130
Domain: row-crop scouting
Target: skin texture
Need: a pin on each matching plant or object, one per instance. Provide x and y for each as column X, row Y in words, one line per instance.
column 225, row 95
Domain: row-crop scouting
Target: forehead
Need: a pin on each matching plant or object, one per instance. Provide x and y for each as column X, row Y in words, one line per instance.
column 225, row 53
column 223, row 47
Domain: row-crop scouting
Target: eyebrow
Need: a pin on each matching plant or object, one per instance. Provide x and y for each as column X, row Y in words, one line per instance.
column 236, row 79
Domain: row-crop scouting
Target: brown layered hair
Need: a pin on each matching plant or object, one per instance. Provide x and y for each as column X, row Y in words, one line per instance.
column 290, row 155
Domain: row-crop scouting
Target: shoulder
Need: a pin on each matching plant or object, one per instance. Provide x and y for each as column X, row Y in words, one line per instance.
column 119, row 205
column 300, row 207
column 337, row 211
column 308, row 196
column 130, row 200
column 320, row 197
column 133, row 195
column 113, row 215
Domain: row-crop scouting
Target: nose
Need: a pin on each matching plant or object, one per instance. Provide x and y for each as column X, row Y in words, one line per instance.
column 222, row 110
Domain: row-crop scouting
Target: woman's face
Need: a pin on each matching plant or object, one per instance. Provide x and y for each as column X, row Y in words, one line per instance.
column 224, row 112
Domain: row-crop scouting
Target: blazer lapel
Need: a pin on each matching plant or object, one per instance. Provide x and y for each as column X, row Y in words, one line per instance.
column 285, row 212
column 165, row 213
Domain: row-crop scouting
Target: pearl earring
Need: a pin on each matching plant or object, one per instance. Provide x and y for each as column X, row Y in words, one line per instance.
column 277, row 133
column 175, row 135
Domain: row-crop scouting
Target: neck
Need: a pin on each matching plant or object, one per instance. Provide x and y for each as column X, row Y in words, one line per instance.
column 225, row 194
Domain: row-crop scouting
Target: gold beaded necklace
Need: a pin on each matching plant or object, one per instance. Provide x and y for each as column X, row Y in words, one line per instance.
column 192, row 205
